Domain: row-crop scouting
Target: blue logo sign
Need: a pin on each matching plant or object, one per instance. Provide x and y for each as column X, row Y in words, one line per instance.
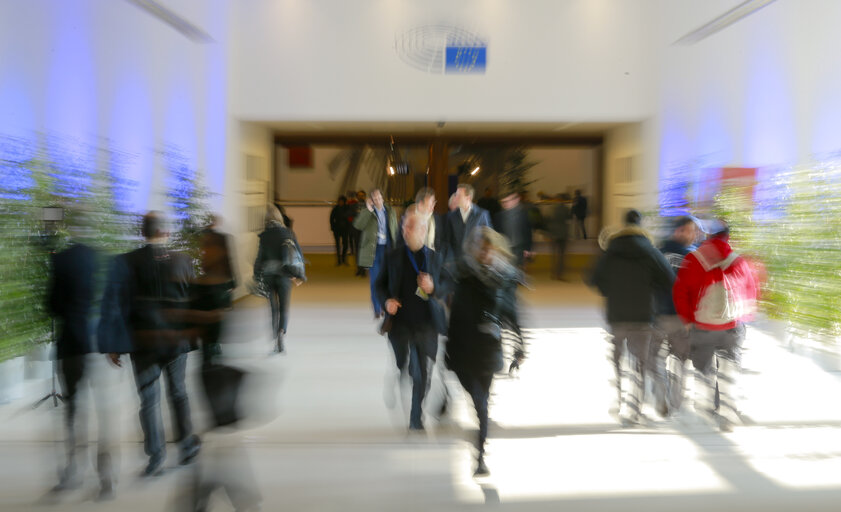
column 443, row 49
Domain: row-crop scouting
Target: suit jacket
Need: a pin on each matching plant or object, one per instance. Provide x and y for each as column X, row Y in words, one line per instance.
column 390, row 278
column 366, row 223
column 70, row 299
column 457, row 230
column 516, row 226
column 143, row 285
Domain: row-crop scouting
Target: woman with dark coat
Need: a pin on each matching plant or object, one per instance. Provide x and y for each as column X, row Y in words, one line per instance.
column 279, row 264
column 486, row 286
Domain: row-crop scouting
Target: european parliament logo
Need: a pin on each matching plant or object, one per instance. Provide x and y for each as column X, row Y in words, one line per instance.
column 443, row 49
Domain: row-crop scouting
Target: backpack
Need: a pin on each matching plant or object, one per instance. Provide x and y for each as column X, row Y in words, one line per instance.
column 720, row 303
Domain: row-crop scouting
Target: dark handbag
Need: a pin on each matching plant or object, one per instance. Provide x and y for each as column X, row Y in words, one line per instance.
column 222, row 386
column 385, row 327
column 292, row 261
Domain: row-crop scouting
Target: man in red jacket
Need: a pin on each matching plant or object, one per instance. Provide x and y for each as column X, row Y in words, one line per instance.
column 714, row 294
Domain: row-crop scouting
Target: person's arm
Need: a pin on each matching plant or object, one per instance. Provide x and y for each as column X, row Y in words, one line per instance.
column 663, row 275
column 381, row 287
column 363, row 219
column 685, row 289
column 597, row 278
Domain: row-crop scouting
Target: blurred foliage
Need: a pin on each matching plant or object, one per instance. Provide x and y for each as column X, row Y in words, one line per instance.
column 187, row 199
column 796, row 236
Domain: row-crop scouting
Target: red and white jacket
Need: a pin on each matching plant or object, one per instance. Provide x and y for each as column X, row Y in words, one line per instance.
column 715, row 288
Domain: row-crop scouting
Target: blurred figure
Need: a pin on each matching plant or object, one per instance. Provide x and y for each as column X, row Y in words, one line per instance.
column 224, row 463
column 579, row 211
column 279, row 264
column 489, row 203
column 377, row 224
column 452, row 203
column 513, row 222
column 424, row 206
column 213, row 289
column 461, row 222
column 71, row 296
column 359, row 205
column 339, row 226
column 486, row 285
column 714, row 294
column 668, row 326
column 408, row 288
column 559, row 233
column 151, row 283
column 628, row 275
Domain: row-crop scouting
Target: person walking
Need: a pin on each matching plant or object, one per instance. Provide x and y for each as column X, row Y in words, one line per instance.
column 628, row 275
column 486, row 282
column 714, row 295
column 279, row 265
column 377, row 225
column 579, row 211
column 408, row 288
column 559, row 233
column 339, row 226
column 149, row 286
column 72, row 293
column 513, row 222
column 669, row 328
column 461, row 222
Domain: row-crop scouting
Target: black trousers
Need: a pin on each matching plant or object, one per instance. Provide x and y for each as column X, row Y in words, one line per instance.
column 73, row 374
column 342, row 240
column 417, row 345
column 478, row 385
column 280, row 289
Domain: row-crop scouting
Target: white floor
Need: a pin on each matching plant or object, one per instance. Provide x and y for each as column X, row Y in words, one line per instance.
column 322, row 439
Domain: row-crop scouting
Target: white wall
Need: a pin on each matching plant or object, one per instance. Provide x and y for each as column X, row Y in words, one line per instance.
column 569, row 60
column 761, row 93
column 630, row 173
column 99, row 72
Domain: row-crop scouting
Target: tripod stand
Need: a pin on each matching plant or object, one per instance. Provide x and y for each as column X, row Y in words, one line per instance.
column 55, row 395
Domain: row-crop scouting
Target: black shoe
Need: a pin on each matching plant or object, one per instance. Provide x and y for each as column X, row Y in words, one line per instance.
column 481, row 468
column 279, row 347
column 154, row 468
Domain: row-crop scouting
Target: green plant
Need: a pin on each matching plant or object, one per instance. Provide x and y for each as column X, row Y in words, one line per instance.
column 797, row 238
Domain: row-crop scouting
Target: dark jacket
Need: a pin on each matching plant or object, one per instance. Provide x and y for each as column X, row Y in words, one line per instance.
column 143, row 286
column 388, row 283
column 579, row 207
column 270, row 252
column 482, row 297
column 515, row 224
column 629, row 274
column 559, row 222
column 70, row 299
column 456, row 231
column 674, row 253
column 339, row 219
column 113, row 334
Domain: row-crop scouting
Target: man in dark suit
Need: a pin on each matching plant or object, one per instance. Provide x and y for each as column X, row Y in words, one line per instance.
column 513, row 222
column 461, row 221
column 408, row 288
column 71, row 296
column 148, row 286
